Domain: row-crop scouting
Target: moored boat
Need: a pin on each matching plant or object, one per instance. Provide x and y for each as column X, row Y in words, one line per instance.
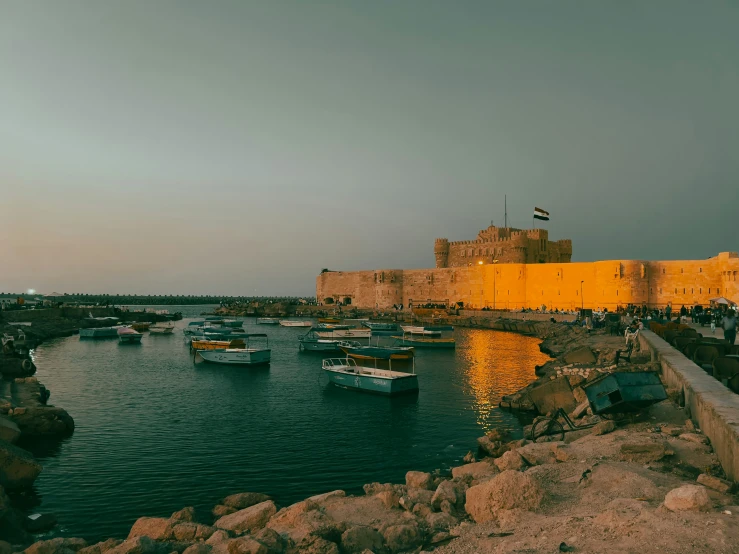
column 206, row 344
column 345, row 373
column 238, row 356
column 267, row 321
column 162, row 328
column 140, row 326
column 352, row 350
column 345, row 334
column 422, row 331
column 287, row 323
column 99, row 333
column 311, row 342
column 330, row 327
column 426, row 342
column 380, row 326
column 329, row 320
column 127, row 335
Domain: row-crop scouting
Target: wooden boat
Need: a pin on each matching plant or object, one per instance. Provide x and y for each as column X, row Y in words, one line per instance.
column 330, row 327
column 162, row 328
column 426, row 342
column 345, row 334
column 423, row 331
column 380, row 326
column 345, row 373
column 99, row 333
column 238, row 356
column 311, row 342
column 205, row 344
column 126, row 335
column 267, row 321
column 140, row 326
column 329, row 320
column 352, row 350
column 286, row 323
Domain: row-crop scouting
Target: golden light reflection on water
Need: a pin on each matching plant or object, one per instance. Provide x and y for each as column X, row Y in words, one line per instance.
column 496, row 364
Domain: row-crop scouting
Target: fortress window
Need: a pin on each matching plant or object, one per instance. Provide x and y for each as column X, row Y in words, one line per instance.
column 660, row 291
column 700, row 290
column 682, row 270
column 692, row 291
column 709, row 290
column 700, row 270
column 718, row 291
column 683, row 291
column 675, row 291
column 616, row 293
column 663, row 270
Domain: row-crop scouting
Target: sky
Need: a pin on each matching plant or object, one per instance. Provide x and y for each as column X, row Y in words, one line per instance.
column 239, row 147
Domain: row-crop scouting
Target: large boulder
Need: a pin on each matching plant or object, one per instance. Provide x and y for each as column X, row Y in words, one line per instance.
column 245, row 500
column 241, row 545
column 44, row 421
column 510, row 460
column 9, row 431
column 539, row 453
column 645, row 452
column 360, row 538
column 448, row 495
column 185, row 514
column 156, row 528
column 249, row 519
column 139, row 545
column 688, row 498
column 402, row 537
column 100, row 547
column 419, row 480
column 190, row 531
column 198, row 548
column 220, row 510
column 59, row 545
column 477, row 471
column 507, row 491
column 315, row 545
column 18, row 468
column 271, row 539
column 440, row 521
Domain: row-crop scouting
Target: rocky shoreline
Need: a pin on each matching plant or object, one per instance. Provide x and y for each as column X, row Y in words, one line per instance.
column 652, row 484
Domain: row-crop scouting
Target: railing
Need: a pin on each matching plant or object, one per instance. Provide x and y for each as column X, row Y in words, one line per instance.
column 330, row 363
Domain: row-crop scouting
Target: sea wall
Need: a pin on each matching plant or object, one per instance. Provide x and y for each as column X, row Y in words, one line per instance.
column 566, row 286
column 712, row 406
column 54, row 313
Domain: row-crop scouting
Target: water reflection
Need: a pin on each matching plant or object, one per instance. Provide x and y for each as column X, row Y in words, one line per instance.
column 496, row 364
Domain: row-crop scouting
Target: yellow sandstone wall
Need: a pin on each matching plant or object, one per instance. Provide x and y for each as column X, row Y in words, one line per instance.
column 605, row 284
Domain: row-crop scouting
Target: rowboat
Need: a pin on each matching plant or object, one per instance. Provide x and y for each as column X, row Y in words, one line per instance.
column 267, row 321
column 140, row 326
column 128, row 336
column 193, row 328
column 99, row 333
column 286, row 323
column 345, row 334
column 329, row 320
column 377, row 352
column 426, row 342
column 205, row 344
column 238, row 356
column 380, row 326
column 162, row 328
column 345, row 373
column 423, row 331
column 311, row 342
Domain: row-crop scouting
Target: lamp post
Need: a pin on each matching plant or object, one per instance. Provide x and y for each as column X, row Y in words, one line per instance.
column 582, row 300
column 494, row 288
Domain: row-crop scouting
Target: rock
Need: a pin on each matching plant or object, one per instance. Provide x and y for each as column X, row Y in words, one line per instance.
column 448, row 491
column 221, row 510
column 244, row 500
column 694, row 437
column 421, row 510
column 190, row 531
column 241, row 545
column 372, row 489
column 576, row 381
column 198, row 548
column 689, row 425
column 59, row 545
column 645, row 452
column 326, row 495
column 100, row 547
column 389, row 499
column 156, row 528
column 18, row 468
column 538, row 453
column 671, row 430
column 249, row 519
column 510, row 460
column 441, row 536
column 402, row 537
column 138, row 545
column 44, row 422
column 218, row 537
column 579, row 395
column 305, row 518
column 6, row 547
column 406, row 503
column 9, row 431
column 418, row 480
column 441, row 521
column 469, row 458
column 688, row 497
column 358, row 539
column 316, row 545
column 185, row 514
column 582, row 355
column 507, row 491
column 714, row 483
column 477, row 471
column 564, row 453
column 271, row 539
column 604, row 427
column 421, row 496
column 36, row 523
column 489, row 447
column 580, row 410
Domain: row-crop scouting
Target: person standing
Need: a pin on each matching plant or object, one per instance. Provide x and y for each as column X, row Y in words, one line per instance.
column 668, row 312
column 728, row 323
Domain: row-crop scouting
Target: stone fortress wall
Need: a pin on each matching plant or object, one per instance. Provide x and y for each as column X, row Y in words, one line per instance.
column 515, row 285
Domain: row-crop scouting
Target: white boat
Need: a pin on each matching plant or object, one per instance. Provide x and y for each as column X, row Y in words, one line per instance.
column 286, row 323
column 238, row 356
column 345, row 373
column 414, row 330
column 267, row 321
column 345, row 334
column 128, row 336
column 162, row 328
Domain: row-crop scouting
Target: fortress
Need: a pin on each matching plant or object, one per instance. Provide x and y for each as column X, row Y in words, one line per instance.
column 510, row 269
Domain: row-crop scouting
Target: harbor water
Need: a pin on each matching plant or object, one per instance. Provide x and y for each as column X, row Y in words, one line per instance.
column 156, row 432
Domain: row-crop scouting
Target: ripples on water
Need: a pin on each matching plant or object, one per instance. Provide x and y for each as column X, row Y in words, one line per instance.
column 154, row 432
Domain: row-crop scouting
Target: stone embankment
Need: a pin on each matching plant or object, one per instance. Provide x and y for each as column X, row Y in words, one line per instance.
column 649, row 484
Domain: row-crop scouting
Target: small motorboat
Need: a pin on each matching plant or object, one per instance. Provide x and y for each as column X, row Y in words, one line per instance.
column 420, row 331
column 205, row 344
column 238, row 356
column 330, row 327
column 267, row 321
column 126, row 335
column 311, row 342
column 99, row 333
column 162, row 328
column 329, row 320
column 426, row 340
column 345, row 373
column 380, row 326
column 345, row 333
column 287, row 323
column 140, row 326
column 352, row 350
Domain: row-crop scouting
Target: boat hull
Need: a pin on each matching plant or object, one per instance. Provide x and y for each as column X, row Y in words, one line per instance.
column 320, row 346
column 296, row 324
column 99, row 333
column 345, row 334
column 247, row 358
column 161, row 330
column 427, row 343
column 130, row 338
column 377, row 352
column 374, row 384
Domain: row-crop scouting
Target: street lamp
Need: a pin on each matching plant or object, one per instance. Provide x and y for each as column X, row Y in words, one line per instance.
column 582, row 300
column 494, row 291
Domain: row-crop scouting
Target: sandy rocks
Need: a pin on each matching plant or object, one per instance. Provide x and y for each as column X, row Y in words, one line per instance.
column 198, row 548
column 185, row 514
column 688, row 498
column 59, row 545
column 509, row 490
column 714, row 483
column 361, row 538
column 241, row 545
column 418, row 480
column 420, row 496
column 304, row 519
column 402, row 537
column 447, row 492
column 469, row 457
column 156, row 528
column 672, row 430
column 604, row 427
column 694, row 437
column 18, row 468
column 138, row 545
column 271, row 539
column 220, row 510
column 645, row 452
column 315, row 545
column 388, row 498
column 327, row 495
column 249, row 519
column 190, row 531
column 218, row 537
column 244, row 500
column 581, row 355
column 440, row 521
column 538, row 453
column 476, row 471
column 100, row 547
column 510, row 460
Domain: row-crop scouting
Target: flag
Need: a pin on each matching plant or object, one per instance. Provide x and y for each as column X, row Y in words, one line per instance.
column 541, row 214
